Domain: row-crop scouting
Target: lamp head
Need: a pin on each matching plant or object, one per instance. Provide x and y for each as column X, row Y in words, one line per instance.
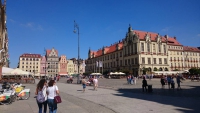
column 74, row 31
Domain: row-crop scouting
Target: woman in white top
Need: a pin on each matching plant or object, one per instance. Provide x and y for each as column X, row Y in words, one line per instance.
column 52, row 91
column 42, row 86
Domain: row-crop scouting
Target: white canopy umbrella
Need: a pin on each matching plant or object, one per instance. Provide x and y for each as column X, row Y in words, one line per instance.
column 6, row 70
column 19, row 71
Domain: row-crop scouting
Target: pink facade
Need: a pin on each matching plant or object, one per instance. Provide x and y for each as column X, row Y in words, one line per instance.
column 63, row 65
column 43, row 65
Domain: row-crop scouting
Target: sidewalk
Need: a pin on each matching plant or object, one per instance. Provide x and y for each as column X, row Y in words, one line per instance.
column 124, row 102
column 107, row 101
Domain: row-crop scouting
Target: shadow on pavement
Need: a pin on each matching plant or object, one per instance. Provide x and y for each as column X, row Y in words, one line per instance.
column 187, row 99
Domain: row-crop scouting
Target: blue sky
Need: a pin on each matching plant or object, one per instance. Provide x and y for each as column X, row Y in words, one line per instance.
column 37, row 24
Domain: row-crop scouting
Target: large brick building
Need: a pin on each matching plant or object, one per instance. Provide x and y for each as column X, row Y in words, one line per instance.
column 143, row 51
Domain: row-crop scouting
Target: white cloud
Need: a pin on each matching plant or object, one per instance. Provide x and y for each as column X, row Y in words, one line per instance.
column 165, row 29
column 33, row 26
column 11, row 20
column 198, row 35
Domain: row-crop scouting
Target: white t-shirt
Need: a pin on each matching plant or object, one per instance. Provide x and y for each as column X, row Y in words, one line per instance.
column 95, row 81
column 52, row 91
column 45, row 92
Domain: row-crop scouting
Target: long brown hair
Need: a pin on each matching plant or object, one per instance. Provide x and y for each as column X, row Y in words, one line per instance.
column 40, row 84
column 51, row 83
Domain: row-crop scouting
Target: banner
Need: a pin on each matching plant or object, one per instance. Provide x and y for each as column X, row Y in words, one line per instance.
column 97, row 63
column 100, row 64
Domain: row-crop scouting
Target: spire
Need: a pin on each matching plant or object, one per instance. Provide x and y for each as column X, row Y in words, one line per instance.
column 129, row 28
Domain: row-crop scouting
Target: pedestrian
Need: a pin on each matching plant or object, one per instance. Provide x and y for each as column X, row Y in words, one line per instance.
column 135, row 80
column 162, row 81
column 169, row 81
column 144, row 84
column 95, row 83
column 55, row 78
column 52, row 91
column 178, row 80
column 172, row 83
column 83, row 81
column 41, row 88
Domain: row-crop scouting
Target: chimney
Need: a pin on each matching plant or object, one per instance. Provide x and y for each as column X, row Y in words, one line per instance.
column 166, row 36
column 175, row 38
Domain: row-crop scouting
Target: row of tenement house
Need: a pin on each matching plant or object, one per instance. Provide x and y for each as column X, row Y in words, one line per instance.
column 141, row 50
column 51, row 64
column 4, row 57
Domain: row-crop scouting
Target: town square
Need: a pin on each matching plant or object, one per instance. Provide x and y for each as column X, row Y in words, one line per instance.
column 108, row 56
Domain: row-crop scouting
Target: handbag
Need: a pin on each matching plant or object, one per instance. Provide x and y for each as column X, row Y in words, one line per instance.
column 57, row 99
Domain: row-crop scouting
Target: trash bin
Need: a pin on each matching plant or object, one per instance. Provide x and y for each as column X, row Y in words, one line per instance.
column 150, row 88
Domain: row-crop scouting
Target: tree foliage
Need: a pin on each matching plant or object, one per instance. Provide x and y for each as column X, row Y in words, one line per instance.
column 194, row 71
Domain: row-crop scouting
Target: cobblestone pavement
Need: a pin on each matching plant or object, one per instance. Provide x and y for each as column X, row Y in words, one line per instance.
column 116, row 96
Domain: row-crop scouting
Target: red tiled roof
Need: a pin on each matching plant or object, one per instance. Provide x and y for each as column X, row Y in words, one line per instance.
column 187, row 48
column 29, row 55
column 172, row 41
column 153, row 36
column 142, row 35
column 49, row 51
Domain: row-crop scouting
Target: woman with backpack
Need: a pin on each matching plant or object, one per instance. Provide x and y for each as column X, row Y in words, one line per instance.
column 41, row 95
column 52, row 91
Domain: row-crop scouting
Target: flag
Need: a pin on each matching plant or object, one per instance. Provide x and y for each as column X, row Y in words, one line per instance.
column 97, row 63
column 100, row 64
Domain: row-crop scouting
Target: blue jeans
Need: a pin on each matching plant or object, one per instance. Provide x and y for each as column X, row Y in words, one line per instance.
column 52, row 106
column 40, row 106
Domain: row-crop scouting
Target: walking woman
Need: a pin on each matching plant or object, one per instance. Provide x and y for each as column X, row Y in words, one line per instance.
column 42, row 86
column 52, row 91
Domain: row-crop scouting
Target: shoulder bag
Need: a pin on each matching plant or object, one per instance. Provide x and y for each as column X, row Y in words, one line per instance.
column 57, row 98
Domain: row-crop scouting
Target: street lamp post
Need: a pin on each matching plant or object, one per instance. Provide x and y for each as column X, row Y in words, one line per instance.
column 77, row 27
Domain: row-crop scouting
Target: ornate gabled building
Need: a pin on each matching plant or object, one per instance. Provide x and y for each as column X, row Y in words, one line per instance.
column 52, row 60
column 62, row 65
column 4, row 57
column 140, row 52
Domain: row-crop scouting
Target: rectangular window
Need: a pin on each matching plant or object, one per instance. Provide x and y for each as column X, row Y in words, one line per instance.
column 120, row 54
column 148, row 47
column 143, row 60
column 142, row 47
column 120, row 62
column 154, row 60
column 149, row 60
column 165, row 60
column 164, row 48
column 160, row 60
column 129, row 62
column 154, row 48
column 132, row 60
column 136, row 61
column 159, row 48
column 135, row 48
column 125, row 62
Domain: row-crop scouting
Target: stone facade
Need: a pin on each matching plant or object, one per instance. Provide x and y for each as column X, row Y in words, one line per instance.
column 4, row 56
column 70, row 67
column 30, row 63
column 52, row 60
column 63, row 65
column 143, row 51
